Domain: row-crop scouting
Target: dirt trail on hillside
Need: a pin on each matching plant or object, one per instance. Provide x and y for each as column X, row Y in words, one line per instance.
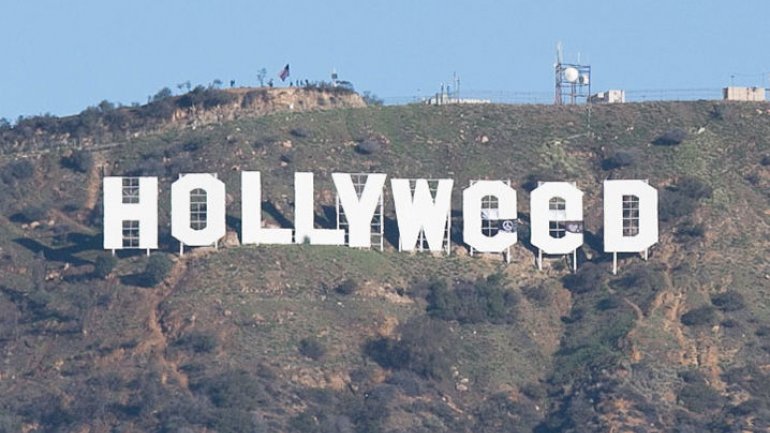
column 156, row 344
column 94, row 182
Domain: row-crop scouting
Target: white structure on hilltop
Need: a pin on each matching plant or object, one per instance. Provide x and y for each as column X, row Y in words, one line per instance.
column 444, row 99
column 451, row 95
column 573, row 80
column 614, row 96
column 752, row 94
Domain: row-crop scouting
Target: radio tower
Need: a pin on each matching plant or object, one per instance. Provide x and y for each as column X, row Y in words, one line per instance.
column 573, row 81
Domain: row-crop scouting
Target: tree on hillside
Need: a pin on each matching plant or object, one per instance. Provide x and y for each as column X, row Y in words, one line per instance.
column 158, row 267
column 104, row 265
column 162, row 94
column 372, row 99
column 261, row 74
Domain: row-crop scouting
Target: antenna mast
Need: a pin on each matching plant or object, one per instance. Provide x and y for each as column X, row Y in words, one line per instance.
column 573, row 80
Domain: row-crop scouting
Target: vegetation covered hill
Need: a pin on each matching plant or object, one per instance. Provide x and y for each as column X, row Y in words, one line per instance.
column 328, row 339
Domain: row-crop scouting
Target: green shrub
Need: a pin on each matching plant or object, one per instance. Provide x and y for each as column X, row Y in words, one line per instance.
column 193, row 145
column 312, row 348
column 673, row 205
column 690, row 230
column 617, row 160
column 347, row 287
column 198, row 342
column 701, row 316
column 157, row 268
column 159, row 110
column 609, row 303
column 694, row 188
column 162, row 94
column 641, row 283
column 681, row 199
column 728, row 301
column 30, row 214
column 372, row 99
column 299, row 132
column 208, row 98
column 589, row 277
column 699, row 397
column 486, row 300
column 368, row 147
column 538, row 295
column 234, row 390
column 80, row 161
column 104, row 265
column 672, row 137
column 423, row 349
column 17, row 171
column 534, row 390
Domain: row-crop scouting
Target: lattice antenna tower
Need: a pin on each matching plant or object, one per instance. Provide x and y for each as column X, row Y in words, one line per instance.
column 573, row 80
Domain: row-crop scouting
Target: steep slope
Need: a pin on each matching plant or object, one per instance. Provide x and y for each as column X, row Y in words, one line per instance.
column 270, row 339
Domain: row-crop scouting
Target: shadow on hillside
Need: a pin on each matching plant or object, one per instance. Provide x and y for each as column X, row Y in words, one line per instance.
column 524, row 236
column 594, row 241
column 233, row 223
column 456, row 233
column 82, row 242
column 391, row 231
column 136, row 280
column 327, row 220
column 276, row 214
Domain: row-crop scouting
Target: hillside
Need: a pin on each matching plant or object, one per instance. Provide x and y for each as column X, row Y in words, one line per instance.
column 106, row 124
column 328, row 339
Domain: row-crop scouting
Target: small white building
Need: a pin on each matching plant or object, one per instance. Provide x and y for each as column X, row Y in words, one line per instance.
column 608, row 97
column 440, row 99
column 753, row 94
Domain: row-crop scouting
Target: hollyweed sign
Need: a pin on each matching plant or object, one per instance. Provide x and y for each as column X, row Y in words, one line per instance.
column 422, row 208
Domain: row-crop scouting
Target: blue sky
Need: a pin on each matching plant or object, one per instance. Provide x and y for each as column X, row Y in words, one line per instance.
column 60, row 57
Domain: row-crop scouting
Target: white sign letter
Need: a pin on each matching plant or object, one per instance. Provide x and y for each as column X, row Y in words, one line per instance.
column 130, row 212
column 359, row 211
column 303, row 215
column 198, row 209
column 630, row 216
column 421, row 212
column 252, row 231
column 555, row 208
column 506, row 210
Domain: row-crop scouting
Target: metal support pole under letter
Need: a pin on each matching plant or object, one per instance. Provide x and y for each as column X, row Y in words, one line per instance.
column 614, row 263
column 574, row 261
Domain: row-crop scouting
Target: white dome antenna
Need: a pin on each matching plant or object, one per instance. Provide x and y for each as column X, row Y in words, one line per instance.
column 573, row 80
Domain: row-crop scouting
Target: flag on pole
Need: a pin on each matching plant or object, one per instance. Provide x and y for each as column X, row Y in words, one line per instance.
column 284, row 73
